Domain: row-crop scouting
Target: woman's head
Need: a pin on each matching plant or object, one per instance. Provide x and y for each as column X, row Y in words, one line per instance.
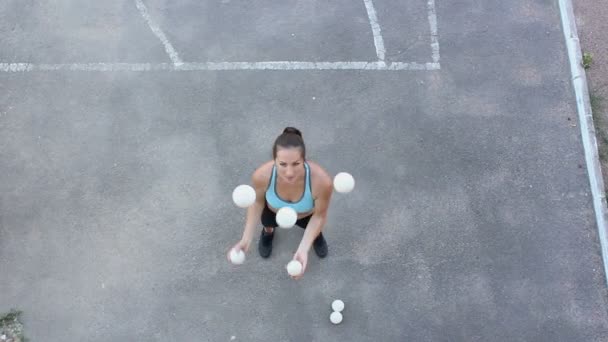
column 289, row 153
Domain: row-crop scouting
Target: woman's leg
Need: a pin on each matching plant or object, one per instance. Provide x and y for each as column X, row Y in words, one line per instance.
column 269, row 222
column 319, row 245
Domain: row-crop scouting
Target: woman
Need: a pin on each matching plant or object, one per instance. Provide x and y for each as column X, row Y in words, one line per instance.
column 289, row 180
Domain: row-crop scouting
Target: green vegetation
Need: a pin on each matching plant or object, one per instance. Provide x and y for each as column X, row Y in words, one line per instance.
column 587, row 60
column 11, row 328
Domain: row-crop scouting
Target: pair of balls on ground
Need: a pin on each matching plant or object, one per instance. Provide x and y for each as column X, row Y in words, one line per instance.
column 337, row 307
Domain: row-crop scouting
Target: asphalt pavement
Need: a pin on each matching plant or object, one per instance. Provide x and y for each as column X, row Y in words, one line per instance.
column 471, row 219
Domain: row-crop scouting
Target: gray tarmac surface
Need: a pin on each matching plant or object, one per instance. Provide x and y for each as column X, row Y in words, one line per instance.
column 471, row 219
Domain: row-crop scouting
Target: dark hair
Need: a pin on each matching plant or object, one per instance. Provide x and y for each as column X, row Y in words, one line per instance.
column 291, row 137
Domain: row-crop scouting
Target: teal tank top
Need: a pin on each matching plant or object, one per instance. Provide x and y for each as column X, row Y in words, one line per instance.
column 304, row 205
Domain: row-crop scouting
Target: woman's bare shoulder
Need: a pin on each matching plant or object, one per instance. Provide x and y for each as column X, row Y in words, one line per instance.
column 319, row 176
column 261, row 175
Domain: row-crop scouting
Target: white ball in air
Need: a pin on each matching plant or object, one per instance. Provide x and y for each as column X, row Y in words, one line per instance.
column 243, row 196
column 344, row 182
column 286, row 217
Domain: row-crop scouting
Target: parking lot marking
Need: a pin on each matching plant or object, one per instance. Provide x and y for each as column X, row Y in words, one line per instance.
column 158, row 32
column 373, row 20
column 218, row 66
column 433, row 24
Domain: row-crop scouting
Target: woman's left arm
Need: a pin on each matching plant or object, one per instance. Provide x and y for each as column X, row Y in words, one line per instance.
column 317, row 221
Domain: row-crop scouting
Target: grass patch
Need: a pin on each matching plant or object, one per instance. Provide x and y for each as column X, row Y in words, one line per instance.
column 597, row 110
column 597, row 103
column 587, row 60
column 11, row 329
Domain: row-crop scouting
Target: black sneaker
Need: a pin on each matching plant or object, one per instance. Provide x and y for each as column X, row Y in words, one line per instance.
column 265, row 243
column 320, row 246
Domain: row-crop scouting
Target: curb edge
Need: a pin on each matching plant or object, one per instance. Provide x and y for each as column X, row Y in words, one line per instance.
column 583, row 104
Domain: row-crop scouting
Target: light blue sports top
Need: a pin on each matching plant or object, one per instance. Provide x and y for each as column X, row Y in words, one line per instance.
column 304, row 205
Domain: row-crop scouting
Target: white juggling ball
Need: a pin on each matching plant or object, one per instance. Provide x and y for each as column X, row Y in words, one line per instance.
column 337, row 305
column 294, row 268
column 335, row 317
column 344, row 182
column 286, row 217
column 243, row 196
column 237, row 257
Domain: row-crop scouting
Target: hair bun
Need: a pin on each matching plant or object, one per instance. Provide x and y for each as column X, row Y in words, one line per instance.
column 292, row 130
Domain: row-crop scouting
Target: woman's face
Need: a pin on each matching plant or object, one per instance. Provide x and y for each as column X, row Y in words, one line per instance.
column 290, row 164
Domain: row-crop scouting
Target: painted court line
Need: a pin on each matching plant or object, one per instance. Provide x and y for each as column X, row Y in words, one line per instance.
column 219, row 66
column 158, row 32
column 433, row 24
column 373, row 20
column 178, row 65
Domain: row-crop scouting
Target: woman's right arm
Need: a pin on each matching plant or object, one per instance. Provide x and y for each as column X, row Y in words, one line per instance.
column 259, row 182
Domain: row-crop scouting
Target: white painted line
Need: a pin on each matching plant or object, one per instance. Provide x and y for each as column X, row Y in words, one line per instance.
column 373, row 20
column 24, row 67
column 158, row 32
column 579, row 81
column 433, row 23
column 212, row 66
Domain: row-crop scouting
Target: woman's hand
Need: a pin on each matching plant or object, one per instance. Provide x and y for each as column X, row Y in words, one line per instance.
column 239, row 246
column 302, row 257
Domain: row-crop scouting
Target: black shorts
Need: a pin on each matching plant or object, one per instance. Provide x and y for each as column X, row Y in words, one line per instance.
column 269, row 219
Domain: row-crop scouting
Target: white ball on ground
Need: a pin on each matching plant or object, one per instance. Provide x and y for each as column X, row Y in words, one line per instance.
column 335, row 317
column 243, row 195
column 337, row 305
column 294, row 268
column 344, row 182
column 237, row 257
column 286, row 217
